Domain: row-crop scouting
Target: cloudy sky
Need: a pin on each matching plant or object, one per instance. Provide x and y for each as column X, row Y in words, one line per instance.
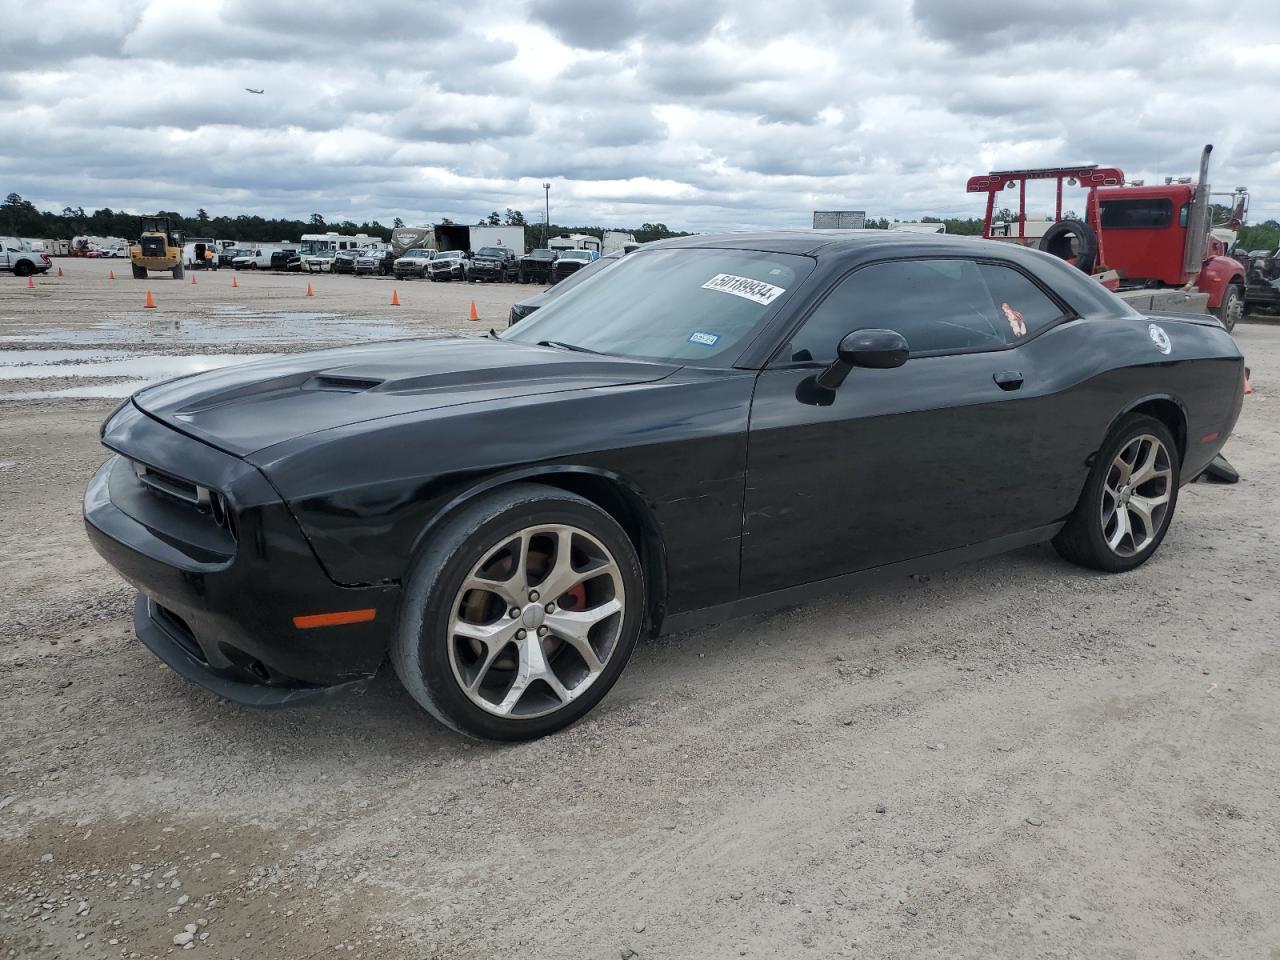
column 710, row 114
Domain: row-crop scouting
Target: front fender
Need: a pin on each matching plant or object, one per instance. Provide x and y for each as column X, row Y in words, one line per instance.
column 1216, row 275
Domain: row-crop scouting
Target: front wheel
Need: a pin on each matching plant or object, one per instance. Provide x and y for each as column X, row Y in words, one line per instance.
column 520, row 614
column 139, row 273
column 1128, row 500
column 178, row 273
column 1231, row 310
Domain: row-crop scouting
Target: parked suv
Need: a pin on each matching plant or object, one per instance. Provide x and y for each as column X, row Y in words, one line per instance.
column 494, row 263
column 414, row 263
column 16, row 255
column 227, row 257
column 286, row 260
column 449, row 265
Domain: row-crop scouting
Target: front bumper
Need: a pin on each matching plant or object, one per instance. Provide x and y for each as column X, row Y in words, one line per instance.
column 169, row 640
column 219, row 606
column 486, row 271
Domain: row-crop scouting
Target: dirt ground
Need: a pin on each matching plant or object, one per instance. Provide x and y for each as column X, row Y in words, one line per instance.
column 1013, row 759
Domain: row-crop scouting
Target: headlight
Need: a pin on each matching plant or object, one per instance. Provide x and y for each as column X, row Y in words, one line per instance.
column 102, row 431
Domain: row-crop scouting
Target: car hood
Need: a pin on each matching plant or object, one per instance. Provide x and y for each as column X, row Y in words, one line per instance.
column 243, row 408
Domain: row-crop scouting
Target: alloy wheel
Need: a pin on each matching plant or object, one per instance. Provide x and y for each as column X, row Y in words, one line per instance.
column 536, row 621
column 1135, row 495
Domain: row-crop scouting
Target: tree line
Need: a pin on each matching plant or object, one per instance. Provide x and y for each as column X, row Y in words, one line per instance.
column 20, row 218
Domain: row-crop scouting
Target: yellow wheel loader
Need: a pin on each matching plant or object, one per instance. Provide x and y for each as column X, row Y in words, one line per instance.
column 158, row 248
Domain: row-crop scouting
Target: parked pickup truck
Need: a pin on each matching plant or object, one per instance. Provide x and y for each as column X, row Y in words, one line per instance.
column 494, row 263
column 16, row 255
column 414, row 263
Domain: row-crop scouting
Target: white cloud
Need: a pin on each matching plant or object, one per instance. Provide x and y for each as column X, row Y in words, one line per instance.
column 705, row 116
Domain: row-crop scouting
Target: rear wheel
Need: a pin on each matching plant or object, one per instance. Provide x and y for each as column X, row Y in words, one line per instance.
column 1231, row 310
column 23, row 269
column 1128, row 500
column 139, row 273
column 178, row 272
column 520, row 614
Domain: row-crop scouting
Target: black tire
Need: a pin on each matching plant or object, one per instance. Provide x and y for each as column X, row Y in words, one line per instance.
column 1082, row 540
column 139, row 273
column 1231, row 309
column 420, row 649
column 1083, row 253
column 178, row 272
column 23, row 269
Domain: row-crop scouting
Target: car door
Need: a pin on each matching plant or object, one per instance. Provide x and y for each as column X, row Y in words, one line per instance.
column 896, row 463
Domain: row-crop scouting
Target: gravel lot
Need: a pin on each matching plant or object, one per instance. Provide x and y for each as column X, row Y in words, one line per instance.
column 1013, row 759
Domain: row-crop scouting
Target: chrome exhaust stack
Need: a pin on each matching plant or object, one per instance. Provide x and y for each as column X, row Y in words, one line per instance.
column 1198, row 220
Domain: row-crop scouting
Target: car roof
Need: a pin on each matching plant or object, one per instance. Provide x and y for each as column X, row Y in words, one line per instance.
column 850, row 248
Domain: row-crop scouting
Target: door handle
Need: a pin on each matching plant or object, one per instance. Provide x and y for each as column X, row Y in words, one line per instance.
column 1008, row 379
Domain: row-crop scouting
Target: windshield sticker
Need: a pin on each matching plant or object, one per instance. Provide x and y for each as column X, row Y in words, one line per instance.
column 757, row 291
column 1159, row 338
column 1016, row 323
column 706, row 339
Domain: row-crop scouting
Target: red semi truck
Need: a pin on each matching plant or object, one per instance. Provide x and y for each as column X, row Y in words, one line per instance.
column 1155, row 245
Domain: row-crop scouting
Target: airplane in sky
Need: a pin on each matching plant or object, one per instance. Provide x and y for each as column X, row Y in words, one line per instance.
column 251, row 90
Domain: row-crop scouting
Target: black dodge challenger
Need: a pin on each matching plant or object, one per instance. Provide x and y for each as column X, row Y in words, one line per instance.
column 715, row 425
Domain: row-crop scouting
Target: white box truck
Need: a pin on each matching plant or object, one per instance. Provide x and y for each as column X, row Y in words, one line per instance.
column 457, row 236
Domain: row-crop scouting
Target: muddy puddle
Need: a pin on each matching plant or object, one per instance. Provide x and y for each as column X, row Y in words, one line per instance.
column 220, row 324
column 107, row 373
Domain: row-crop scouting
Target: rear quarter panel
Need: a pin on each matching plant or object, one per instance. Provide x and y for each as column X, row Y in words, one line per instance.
column 1089, row 373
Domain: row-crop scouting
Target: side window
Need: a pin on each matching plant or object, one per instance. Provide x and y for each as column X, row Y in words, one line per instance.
column 937, row 305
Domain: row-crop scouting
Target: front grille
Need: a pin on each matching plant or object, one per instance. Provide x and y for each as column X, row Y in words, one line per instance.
column 188, row 493
column 169, row 485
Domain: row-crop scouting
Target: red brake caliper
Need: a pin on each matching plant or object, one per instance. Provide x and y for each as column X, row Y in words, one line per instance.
column 575, row 598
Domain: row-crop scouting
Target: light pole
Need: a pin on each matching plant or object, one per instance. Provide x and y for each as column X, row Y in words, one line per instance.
column 546, row 223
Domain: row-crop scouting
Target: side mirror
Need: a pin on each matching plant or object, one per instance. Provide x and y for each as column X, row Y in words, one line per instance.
column 875, row 349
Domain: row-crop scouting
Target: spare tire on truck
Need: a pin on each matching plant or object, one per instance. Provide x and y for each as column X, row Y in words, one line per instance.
column 1073, row 241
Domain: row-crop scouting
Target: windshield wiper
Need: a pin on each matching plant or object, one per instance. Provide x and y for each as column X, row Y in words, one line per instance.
column 561, row 345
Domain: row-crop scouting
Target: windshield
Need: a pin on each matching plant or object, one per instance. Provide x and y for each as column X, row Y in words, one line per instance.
column 449, row 255
column 541, row 254
column 692, row 304
column 310, row 248
column 576, row 255
column 498, row 252
column 419, row 254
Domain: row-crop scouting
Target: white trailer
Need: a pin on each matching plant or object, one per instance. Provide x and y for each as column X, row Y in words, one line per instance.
column 574, row 241
column 617, row 240
column 457, row 236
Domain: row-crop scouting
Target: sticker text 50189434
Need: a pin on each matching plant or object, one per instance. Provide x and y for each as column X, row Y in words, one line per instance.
column 756, row 291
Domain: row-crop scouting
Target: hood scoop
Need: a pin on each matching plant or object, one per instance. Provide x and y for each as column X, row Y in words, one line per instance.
column 340, row 384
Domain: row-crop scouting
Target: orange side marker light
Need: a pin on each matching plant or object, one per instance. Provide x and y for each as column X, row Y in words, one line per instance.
column 338, row 619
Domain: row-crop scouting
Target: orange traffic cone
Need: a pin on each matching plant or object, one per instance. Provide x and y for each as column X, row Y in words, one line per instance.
column 1248, row 387
column 59, row 271
column 474, row 314
column 309, row 291
column 31, row 282
column 395, row 298
column 151, row 302
column 193, row 278
column 111, row 274
column 234, row 284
